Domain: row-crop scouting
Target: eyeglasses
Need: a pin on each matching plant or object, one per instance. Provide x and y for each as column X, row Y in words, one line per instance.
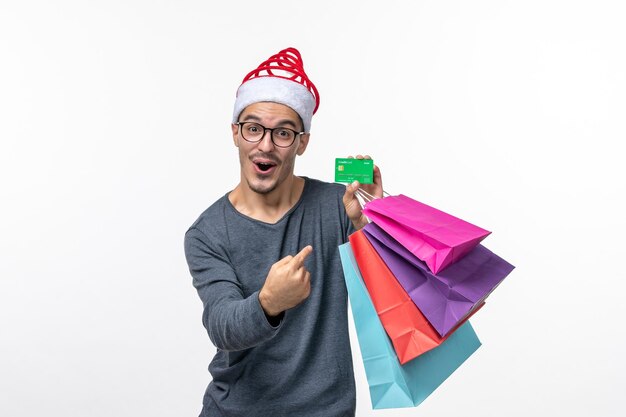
column 254, row 132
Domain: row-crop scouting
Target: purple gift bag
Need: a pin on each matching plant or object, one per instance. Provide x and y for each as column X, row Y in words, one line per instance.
column 450, row 296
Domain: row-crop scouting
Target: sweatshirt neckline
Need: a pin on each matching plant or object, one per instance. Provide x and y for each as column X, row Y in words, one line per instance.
column 286, row 215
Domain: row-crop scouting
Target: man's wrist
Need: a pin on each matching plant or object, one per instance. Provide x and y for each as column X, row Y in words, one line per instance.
column 360, row 223
column 266, row 305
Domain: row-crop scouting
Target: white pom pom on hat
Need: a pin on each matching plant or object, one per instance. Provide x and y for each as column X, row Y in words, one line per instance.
column 280, row 79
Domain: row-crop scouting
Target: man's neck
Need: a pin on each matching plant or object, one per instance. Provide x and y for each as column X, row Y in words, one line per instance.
column 270, row 207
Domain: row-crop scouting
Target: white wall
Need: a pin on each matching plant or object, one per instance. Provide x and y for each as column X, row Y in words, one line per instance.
column 114, row 136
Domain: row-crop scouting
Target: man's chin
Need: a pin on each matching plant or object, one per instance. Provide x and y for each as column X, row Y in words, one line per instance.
column 262, row 187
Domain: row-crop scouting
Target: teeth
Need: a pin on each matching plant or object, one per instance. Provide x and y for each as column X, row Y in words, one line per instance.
column 263, row 166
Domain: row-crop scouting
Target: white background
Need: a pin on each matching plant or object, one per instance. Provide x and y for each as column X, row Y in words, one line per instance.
column 114, row 127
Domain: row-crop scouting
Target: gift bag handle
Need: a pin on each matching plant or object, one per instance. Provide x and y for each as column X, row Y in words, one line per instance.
column 367, row 197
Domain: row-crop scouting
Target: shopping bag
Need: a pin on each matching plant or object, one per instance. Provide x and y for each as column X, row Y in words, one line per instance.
column 392, row 385
column 450, row 296
column 435, row 237
column 410, row 332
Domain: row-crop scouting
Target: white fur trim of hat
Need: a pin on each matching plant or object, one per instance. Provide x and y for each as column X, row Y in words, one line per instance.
column 276, row 90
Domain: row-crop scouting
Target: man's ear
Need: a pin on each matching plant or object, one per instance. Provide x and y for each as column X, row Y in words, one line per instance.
column 304, row 141
column 235, row 129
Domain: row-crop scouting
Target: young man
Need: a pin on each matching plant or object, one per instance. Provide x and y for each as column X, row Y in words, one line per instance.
column 265, row 262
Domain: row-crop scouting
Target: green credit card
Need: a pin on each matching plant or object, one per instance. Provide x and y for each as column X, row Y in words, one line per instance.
column 348, row 170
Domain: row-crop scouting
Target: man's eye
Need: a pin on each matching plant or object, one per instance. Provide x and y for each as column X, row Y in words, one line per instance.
column 283, row 133
column 253, row 129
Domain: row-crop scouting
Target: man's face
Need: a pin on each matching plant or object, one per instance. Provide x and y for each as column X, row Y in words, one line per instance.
column 264, row 166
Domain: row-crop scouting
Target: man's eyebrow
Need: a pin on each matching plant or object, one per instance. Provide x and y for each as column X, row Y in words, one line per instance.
column 251, row 117
column 287, row 122
column 282, row 122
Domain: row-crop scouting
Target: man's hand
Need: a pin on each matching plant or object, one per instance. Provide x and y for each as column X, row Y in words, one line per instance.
column 287, row 284
column 353, row 207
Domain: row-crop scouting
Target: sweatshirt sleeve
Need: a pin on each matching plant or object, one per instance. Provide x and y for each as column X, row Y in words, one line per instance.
column 232, row 321
column 348, row 227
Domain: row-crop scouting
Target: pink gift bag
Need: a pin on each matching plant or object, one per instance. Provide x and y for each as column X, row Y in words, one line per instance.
column 437, row 238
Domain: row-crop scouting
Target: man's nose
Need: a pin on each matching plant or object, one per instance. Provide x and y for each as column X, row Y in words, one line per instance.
column 266, row 141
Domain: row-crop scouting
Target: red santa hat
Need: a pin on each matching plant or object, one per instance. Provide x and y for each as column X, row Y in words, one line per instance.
column 280, row 79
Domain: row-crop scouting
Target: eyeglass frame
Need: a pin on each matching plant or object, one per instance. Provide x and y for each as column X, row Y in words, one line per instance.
column 265, row 129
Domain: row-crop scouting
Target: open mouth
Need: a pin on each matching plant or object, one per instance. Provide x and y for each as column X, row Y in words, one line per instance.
column 264, row 166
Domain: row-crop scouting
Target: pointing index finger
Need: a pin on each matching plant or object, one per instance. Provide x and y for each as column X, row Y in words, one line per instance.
column 298, row 260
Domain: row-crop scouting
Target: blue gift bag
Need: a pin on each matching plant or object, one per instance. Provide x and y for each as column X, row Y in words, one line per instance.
column 393, row 385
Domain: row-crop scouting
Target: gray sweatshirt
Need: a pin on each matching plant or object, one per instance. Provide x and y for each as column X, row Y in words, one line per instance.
column 302, row 366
